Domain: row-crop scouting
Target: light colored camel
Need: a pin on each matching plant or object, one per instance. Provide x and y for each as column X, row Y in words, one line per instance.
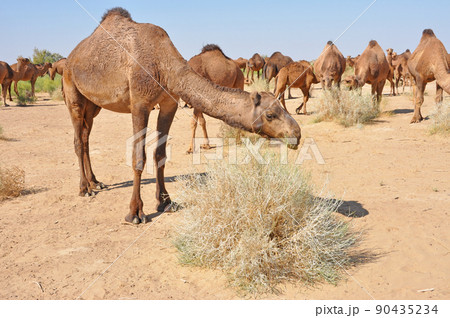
column 254, row 64
column 143, row 69
column 400, row 63
column 214, row 65
column 7, row 74
column 274, row 64
column 372, row 68
column 31, row 74
column 391, row 77
column 428, row 62
column 329, row 66
column 57, row 67
column 350, row 61
column 297, row 75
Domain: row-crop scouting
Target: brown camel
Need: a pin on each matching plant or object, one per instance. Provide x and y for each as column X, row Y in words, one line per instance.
column 254, row 64
column 7, row 74
column 429, row 62
column 372, row 68
column 400, row 63
column 131, row 68
column 390, row 76
column 350, row 61
column 214, row 65
column 297, row 75
column 31, row 74
column 329, row 66
column 241, row 62
column 274, row 64
column 57, row 67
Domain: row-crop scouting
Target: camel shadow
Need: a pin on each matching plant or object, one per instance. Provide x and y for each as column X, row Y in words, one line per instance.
column 402, row 111
column 352, row 209
column 37, row 105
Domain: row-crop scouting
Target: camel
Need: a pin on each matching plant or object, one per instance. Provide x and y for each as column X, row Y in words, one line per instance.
column 274, row 64
column 372, row 68
column 329, row 66
column 7, row 74
column 31, row 74
column 131, row 68
column 350, row 61
column 214, row 65
column 57, row 67
column 391, row 77
column 429, row 62
column 241, row 62
column 400, row 63
column 297, row 75
column 254, row 64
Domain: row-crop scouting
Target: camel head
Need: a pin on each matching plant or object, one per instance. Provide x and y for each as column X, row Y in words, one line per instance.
column 21, row 62
column 271, row 120
column 389, row 51
column 351, row 82
column 46, row 66
column 269, row 71
column 394, row 55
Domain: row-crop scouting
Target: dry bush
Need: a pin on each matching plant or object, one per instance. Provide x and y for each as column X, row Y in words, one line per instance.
column 261, row 85
column 441, row 119
column 262, row 225
column 346, row 107
column 56, row 95
column 12, row 182
column 227, row 132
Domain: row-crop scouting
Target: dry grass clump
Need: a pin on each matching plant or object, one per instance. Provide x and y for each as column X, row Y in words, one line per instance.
column 227, row 132
column 346, row 107
column 12, row 182
column 262, row 225
column 441, row 119
column 261, row 85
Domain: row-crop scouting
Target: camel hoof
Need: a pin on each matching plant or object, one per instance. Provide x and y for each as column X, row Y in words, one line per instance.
column 416, row 120
column 136, row 220
column 189, row 152
column 144, row 219
column 101, row 186
column 206, row 147
column 87, row 194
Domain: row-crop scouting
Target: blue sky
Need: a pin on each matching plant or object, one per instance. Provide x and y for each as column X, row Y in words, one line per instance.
column 299, row 29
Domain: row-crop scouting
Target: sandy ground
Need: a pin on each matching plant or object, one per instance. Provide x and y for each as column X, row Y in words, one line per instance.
column 54, row 244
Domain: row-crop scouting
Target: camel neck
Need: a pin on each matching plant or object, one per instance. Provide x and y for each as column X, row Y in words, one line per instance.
column 233, row 106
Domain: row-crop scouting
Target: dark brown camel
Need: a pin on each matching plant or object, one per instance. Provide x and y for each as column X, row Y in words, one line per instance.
column 329, row 66
column 274, row 64
column 31, row 74
column 429, row 62
column 7, row 74
column 254, row 64
column 214, row 65
column 135, row 66
column 372, row 68
column 297, row 75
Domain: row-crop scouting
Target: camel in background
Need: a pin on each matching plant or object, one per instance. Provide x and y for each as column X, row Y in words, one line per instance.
column 214, row 65
column 350, row 61
column 297, row 75
column 429, row 62
column 329, row 66
column 241, row 62
column 32, row 72
column 7, row 74
column 274, row 64
column 57, row 67
column 254, row 64
column 146, row 70
column 400, row 63
column 372, row 68
column 390, row 76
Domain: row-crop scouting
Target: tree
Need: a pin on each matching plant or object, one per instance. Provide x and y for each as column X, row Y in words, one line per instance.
column 43, row 56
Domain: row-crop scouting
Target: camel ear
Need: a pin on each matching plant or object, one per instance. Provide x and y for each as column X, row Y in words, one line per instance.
column 256, row 98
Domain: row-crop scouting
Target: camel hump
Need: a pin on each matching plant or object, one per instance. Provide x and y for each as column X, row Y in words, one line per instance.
column 213, row 47
column 116, row 11
column 407, row 50
column 428, row 32
column 330, row 42
column 373, row 43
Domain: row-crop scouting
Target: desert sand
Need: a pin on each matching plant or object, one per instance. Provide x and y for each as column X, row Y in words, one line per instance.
column 54, row 244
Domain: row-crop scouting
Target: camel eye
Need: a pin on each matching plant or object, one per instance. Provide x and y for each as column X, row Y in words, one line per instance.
column 270, row 116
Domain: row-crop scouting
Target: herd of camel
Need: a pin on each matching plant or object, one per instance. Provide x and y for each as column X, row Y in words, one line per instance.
column 131, row 67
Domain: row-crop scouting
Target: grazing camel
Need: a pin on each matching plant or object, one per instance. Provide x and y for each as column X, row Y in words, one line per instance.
column 372, row 68
column 400, row 63
column 274, row 64
column 254, row 64
column 131, row 68
column 428, row 62
column 391, row 73
column 329, row 66
column 7, row 74
column 297, row 75
column 57, row 67
column 350, row 61
column 214, row 65
column 241, row 62
column 31, row 74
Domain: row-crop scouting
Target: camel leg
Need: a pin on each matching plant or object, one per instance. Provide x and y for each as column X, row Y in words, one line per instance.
column 418, row 100
column 9, row 91
column 202, row 122
column 4, row 91
column 380, row 87
column 248, row 73
column 439, row 94
column 392, row 92
column 139, row 116
column 165, row 118
column 289, row 93
column 305, row 91
column 91, row 111
column 282, row 101
column 33, row 82
column 194, row 122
